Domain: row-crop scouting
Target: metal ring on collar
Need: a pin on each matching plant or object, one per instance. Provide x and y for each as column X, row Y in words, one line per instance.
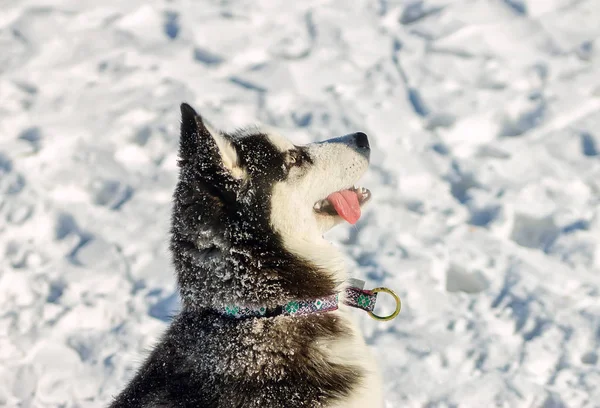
column 398, row 305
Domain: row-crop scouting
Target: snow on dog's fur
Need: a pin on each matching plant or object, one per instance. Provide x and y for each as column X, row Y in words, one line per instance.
column 249, row 214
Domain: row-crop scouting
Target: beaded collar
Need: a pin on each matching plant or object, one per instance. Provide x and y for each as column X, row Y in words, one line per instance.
column 355, row 296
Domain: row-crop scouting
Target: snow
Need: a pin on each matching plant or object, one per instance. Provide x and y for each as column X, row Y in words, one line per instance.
column 484, row 120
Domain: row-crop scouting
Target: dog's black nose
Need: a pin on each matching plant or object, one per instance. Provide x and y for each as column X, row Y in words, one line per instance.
column 362, row 141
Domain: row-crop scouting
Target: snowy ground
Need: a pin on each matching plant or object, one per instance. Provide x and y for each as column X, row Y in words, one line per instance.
column 484, row 117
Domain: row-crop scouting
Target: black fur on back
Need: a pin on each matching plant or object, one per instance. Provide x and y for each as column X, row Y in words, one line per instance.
column 225, row 252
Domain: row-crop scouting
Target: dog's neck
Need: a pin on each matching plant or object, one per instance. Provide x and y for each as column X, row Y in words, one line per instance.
column 320, row 252
column 214, row 276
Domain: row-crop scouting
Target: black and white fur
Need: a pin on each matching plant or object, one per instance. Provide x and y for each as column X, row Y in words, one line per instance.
column 245, row 232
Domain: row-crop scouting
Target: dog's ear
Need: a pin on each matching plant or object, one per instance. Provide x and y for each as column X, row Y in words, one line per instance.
column 199, row 139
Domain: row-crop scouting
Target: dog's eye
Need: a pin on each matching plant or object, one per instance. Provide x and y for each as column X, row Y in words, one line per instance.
column 294, row 158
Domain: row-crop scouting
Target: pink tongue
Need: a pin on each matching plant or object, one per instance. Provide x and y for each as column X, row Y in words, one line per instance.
column 346, row 204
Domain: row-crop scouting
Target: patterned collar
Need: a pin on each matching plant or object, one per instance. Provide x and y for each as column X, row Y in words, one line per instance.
column 356, row 297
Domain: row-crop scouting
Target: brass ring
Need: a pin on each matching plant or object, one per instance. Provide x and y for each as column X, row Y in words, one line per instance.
column 398, row 305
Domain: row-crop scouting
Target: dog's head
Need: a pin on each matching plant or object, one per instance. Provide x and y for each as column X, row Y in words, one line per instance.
column 257, row 197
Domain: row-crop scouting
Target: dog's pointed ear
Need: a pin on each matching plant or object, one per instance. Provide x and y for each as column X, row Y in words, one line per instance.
column 199, row 139
column 189, row 139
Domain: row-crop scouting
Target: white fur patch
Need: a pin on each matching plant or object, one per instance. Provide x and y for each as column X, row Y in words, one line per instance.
column 354, row 351
column 228, row 154
column 335, row 167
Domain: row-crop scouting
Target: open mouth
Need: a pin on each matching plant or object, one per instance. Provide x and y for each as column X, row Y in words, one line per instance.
column 344, row 203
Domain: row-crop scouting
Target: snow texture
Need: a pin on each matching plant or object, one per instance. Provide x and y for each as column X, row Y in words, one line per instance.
column 484, row 121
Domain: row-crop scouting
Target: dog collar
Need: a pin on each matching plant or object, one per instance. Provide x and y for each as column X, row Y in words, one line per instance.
column 356, row 297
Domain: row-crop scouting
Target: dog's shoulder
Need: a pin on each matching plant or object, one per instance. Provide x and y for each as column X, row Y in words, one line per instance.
column 207, row 360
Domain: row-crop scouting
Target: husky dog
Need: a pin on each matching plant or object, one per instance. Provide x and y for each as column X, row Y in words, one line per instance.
column 250, row 209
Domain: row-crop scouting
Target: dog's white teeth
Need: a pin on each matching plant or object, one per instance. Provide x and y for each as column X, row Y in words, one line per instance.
column 318, row 205
column 363, row 190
